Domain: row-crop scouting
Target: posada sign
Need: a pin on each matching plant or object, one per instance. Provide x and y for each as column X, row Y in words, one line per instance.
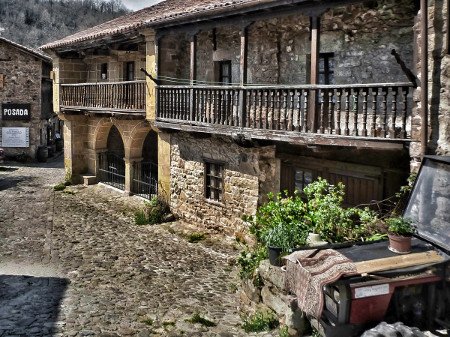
column 16, row 112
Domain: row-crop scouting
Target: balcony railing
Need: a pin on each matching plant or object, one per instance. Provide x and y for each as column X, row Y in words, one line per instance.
column 112, row 96
column 363, row 110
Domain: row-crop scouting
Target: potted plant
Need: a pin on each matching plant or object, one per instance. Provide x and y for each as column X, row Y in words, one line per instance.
column 400, row 231
column 282, row 239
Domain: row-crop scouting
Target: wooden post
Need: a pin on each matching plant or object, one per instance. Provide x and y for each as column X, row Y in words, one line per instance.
column 193, row 73
column 243, row 74
column 424, row 76
column 314, row 71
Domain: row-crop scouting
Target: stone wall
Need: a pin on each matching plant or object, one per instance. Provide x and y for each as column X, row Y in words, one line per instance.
column 438, row 82
column 361, row 38
column 22, row 74
column 116, row 65
column 249, row 174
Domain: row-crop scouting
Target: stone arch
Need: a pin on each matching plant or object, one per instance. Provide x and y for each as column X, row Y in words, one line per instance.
column 135, row 143
column 114, row 143
column 101, row 132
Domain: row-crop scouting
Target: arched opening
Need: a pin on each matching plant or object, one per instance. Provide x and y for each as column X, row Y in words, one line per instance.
column 111, row 163
column 145, row 175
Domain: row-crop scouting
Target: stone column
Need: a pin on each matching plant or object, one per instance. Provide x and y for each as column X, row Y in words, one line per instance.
column 151, row 68
column 164, row 166
column 75, row 133
column 129, row 165
column 56, row 81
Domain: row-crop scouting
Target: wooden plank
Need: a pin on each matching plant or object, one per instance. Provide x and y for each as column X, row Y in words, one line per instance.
column 314, row 71
column 401, row 261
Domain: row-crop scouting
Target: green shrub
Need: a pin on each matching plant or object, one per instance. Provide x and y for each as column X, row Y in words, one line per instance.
column 249, row 260
column 260, row 321
column 196, row 237
column 197, row 318
column 153, row 212
column 59, row 187
column 140, row 218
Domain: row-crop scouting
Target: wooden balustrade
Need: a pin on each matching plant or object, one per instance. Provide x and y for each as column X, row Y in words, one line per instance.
column 363, row 110
column 116, row 96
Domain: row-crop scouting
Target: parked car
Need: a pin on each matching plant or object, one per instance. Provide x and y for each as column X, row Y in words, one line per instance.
column 416, row 293
column 2, row 155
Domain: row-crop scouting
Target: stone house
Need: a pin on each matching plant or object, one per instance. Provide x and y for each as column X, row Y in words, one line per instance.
column 246, row 97
column 25, row 98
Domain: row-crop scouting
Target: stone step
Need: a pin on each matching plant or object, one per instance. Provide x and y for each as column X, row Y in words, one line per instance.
column 89, row 180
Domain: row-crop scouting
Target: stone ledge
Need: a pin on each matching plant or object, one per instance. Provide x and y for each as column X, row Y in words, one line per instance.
column 89, row 180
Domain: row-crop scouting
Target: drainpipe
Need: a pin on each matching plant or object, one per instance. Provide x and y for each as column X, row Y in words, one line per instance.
column 424, row 75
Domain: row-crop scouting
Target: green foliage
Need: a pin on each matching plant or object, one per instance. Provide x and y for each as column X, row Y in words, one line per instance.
column 197, row 318
column 278, row 222
column 249, row 260
column 148, row 321
column 59, row 187
column 260, row 321
column 284, row 331
column 196, row 237
column 140, row 218
column 400, row 226
column 153, row 212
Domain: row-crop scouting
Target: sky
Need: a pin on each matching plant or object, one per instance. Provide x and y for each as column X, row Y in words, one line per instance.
column 139, row 4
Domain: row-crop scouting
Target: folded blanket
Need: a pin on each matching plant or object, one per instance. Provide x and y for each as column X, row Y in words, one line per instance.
column 307, row 271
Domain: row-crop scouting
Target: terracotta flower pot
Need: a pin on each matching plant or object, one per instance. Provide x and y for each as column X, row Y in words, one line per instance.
column 399, row 244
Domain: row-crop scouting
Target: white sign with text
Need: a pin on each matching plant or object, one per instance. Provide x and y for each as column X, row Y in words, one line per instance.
column 15, row 137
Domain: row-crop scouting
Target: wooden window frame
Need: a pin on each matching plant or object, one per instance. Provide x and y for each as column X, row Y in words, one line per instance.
column 127, row 72
column 326, row 59
column 104, row 71
column 222, row 75
column 209, row 165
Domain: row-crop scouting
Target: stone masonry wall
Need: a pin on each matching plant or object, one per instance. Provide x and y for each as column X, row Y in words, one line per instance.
column 116, row 65
column 248, row 173
column 438, row 80
column 360, row 36
column 22, row 84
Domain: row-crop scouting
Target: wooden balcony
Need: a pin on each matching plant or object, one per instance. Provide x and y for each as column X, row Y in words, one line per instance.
column 364, row 115
column 106, row 97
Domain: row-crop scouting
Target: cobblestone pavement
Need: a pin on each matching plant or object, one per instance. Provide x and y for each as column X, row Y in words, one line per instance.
column 73, row 263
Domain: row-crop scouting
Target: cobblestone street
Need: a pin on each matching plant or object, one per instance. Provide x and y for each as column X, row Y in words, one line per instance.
column 73, row 263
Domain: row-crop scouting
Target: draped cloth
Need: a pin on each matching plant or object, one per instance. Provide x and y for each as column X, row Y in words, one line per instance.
column 308, row 271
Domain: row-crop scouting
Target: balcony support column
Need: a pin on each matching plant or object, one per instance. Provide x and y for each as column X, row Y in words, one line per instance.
column 193, row 72
column 151, row 68
column 243, row 73
column 314, row 71
column 424, row 76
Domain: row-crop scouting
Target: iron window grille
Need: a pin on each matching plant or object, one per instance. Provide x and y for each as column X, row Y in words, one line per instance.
column 214, row 180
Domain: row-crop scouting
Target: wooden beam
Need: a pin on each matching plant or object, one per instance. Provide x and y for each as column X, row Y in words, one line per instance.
column 291, row 137
column 314, row 71
column 424, row 76
column 395, row 262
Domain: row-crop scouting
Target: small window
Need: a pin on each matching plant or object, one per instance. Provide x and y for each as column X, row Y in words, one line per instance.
column 104, row 71
column 326, row 68
column 214, row 181
column 129, row 71
column 302, row 178
column 225, row 72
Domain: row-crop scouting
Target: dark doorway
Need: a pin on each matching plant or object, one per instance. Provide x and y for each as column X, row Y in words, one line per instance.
column 145, row 173
column 111, row 163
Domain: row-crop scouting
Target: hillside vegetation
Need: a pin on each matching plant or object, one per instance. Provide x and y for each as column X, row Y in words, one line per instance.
column 36, row 22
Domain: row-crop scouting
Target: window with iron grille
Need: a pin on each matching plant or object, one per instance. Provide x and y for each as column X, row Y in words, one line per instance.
column 214, row 181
